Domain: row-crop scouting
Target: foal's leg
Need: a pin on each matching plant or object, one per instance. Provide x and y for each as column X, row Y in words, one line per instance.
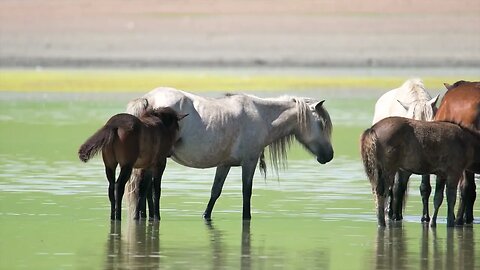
column 399, row 189
column 123, row 177
column 145, row 183
column 157, row 180
column 470, row 196
column 220, row 175
column 425, row 190
column 451, row 199
column 110, row 172
column 382, row 188
column 437, row 199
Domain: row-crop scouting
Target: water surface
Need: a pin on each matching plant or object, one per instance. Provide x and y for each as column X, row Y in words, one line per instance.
column 54, row 210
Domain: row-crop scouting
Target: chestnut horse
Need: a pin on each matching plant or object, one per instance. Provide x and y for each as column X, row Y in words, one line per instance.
column 418, row 147
column 132, row 142
column 461, row 105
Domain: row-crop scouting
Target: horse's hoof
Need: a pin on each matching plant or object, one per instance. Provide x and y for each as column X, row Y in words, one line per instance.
column 425, row 219
column 433, row 224
column 459, row 222
column 207, row 217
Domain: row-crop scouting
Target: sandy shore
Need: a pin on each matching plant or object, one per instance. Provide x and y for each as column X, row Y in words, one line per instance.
column 227, row 33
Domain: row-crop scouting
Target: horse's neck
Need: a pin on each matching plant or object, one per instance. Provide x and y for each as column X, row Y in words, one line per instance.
column 281, row 117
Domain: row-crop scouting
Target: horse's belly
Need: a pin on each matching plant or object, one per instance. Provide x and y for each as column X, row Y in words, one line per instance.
column 203, row 160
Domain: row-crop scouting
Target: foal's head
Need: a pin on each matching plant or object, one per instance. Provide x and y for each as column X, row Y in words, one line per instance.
column 316, row 131
column 167, row 119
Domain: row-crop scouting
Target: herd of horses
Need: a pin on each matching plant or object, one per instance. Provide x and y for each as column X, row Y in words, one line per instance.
column 409, row 136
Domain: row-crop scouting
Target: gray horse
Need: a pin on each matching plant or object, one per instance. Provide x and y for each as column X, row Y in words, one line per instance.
column 234, row 131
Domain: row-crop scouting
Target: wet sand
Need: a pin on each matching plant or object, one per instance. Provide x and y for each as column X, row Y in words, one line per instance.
column 227, row 33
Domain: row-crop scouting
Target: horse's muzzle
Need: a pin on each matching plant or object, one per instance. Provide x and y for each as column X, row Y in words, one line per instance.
column 325, row 157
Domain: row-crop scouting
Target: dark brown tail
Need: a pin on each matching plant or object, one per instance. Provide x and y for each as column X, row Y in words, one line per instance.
column 96, row 142
column 368, row 149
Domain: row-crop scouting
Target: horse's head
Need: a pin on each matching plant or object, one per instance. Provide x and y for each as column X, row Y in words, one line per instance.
column 315, row 132
column 421, row 110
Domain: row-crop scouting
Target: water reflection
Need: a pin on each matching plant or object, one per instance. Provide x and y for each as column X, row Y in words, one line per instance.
column 220, row 251
column 139, row 248
column 450, row 249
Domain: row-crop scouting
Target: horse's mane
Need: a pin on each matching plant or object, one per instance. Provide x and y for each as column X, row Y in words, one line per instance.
column 415, row 91
column 158, row 116
column 278, row 149
column 415, row 95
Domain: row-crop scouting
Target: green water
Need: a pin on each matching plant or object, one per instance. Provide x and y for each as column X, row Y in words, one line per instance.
column 54, row 210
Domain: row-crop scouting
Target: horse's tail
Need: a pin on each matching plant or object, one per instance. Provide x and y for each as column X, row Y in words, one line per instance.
column 368, row 149
column 132, row 193
column 137, row 106
column 263, row 165
column 96, row 142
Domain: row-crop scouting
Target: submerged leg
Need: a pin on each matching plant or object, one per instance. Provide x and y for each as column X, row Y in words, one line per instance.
column 123, row 177
column 220, row 176
column 111, row 190
column 425, row 191
column 248, row 170
column 451, row 199
column 437, row 200
column 157, row 183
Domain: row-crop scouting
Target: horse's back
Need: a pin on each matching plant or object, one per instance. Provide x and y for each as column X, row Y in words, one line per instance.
column 461, row 105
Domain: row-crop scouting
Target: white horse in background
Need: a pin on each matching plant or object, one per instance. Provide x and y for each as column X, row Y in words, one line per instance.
column 410, row 100
column 234, row 131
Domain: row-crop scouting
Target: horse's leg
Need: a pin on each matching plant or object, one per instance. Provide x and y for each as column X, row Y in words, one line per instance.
column 390, row 207
column 461, row 205
column 123, row 177
column 399, row 189
column 144, row 185
column 157, row 185
column 148, row 178
column 470, row 196
column 425, row 191
column 110, row 172
column 437, row 200
column 220, row 175
column 384, row 184
column 248, row 170
column 452, row 185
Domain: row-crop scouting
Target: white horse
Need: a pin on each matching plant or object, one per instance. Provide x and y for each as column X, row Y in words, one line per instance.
column 410, row 100
column 234, row 131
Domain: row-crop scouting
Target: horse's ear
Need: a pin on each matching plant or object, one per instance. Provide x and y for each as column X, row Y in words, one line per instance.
column 404, row 105
column 319, row 105
column 181, row 116
column 433, row 101
column 448, row 86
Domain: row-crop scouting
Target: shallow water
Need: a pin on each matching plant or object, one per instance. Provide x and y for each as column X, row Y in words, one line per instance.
column 54, row 209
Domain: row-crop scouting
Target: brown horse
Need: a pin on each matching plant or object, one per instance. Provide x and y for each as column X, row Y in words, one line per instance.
column 132, row 142
column 418, row 147
column 461, row 105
